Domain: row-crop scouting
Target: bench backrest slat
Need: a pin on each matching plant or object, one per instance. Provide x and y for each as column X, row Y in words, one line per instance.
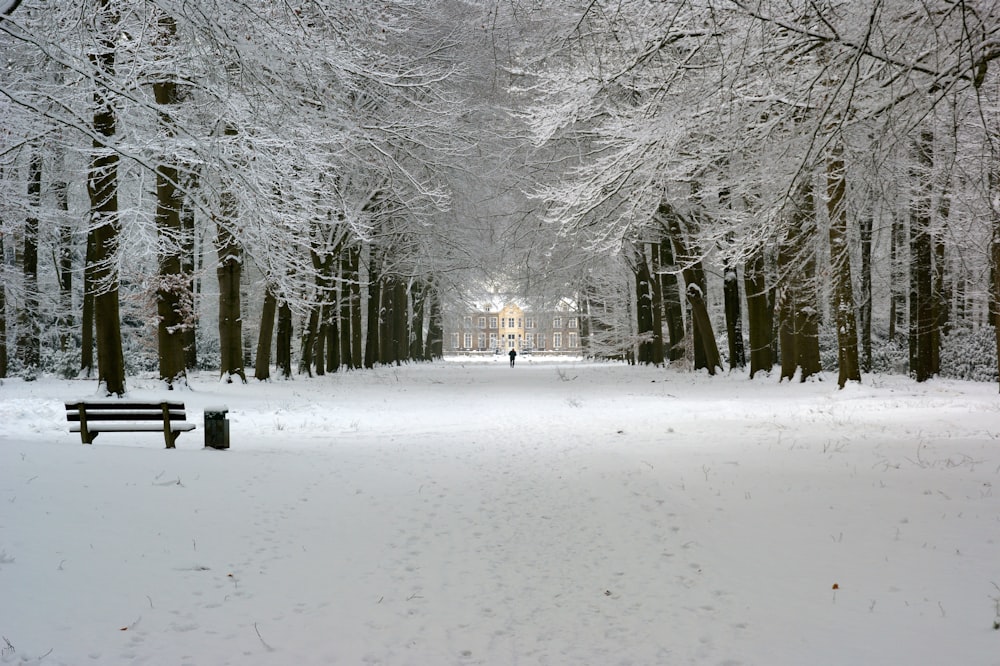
column 119, row 405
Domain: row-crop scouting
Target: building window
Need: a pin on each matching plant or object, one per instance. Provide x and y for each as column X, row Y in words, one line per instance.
column 510, row 322
column 493, row 322
column 571, row 322
column 557, row 340
column 468, row 340
column 529, row 341
column 454, row 340
column 573, row 344
column 541, row 341
column 482, row 322
column 482, row 341
column 493, row 340
column 468, row 322
column 510, row 341
column 557, row 322
column 529, row 322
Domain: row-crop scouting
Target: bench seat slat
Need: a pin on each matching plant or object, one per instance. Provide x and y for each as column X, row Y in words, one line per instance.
column 176, row 426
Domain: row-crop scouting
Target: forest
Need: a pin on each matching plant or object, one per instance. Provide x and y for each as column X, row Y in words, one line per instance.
column 271, row 189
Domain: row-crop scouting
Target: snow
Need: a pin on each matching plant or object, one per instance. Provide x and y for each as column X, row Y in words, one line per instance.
column 468, row 513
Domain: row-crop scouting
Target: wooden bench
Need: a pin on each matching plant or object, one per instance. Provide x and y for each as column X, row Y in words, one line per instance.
column 89, row 418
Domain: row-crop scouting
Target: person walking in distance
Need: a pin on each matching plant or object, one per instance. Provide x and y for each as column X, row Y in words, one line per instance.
column 513, row 355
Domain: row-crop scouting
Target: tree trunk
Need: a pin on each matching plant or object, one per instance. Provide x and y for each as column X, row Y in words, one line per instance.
column 262, row 360
column 102, row 187
column 344, row 312
column 283, row 342
column 702, row 322
column 840, row 268
column 173, row 298
column 734, row 315
column 994, row 291
column 331, row 315
column 28, row 326
column 656, row 296
column 229, row 273
column 922, row 324
column 798, row 316
column 644, row 308
column 865, row 309
column 64, row 262
column 435, row 327
column 760, row 314
column 354, row 289
column 3, row 308
column 706, row 351
column 419, row 291
column 308, row 340
column 189, row 268
column 673, row 309
column 372, row 340
column 87, row 316
column 897, row 278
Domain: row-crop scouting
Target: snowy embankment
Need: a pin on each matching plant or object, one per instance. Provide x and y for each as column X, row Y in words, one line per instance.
column 470, row 513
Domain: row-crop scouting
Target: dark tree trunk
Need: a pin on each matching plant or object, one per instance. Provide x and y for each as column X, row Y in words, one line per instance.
column 354, row 289
column 656, row 295
column 28, row 326
column 760, row 314
column 922, row 324
column 3, row 308
column 283, row 341
column 673, row 308
column 102, row 187
column 419, row 294
column 897, row 278
column 399, row 322
column 262, row 360
column 643, row 309
column 372, row 339
column 435, row 327
column 174, row 306
column 798, row 315
column 87, row 315
column 308, row 340
column 994, row 295
column 332, row 336
column 344, row 331
column 734, row 316
column 865, row 305
column 189, row 268
column 64, row 263
column 706, row 350
column 229, row 273
column 840, row 268
column 699, row 314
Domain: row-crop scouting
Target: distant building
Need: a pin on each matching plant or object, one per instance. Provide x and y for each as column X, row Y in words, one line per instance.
column 498, row 328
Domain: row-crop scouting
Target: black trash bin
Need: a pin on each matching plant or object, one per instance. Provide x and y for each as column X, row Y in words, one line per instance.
column 216, row 427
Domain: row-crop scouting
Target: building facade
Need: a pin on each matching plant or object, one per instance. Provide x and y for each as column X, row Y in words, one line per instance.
column 492, row 328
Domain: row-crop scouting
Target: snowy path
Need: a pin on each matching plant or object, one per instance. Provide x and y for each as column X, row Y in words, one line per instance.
column 474, row 514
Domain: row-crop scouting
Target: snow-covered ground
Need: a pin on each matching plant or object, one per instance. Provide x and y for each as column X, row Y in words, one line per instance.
column 470, row 513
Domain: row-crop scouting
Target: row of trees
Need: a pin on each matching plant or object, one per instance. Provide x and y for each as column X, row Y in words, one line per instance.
column 300, row 149
column 324, row 177
column 842, row 156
